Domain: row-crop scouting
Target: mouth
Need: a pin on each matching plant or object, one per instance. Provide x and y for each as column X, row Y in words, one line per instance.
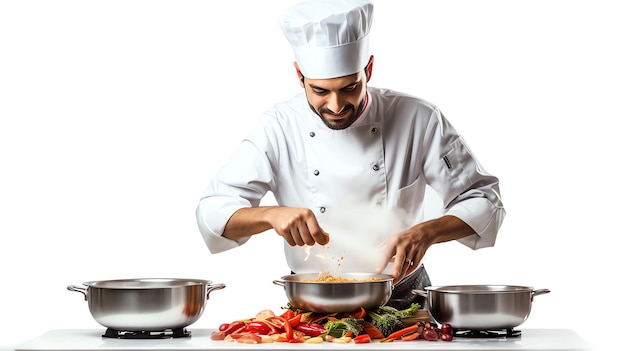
column 337, row 116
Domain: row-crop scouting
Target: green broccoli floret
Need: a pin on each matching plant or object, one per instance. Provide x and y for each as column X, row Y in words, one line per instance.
column 387, row 323
column 342, row 326
column 388, row 319
column 405, row 313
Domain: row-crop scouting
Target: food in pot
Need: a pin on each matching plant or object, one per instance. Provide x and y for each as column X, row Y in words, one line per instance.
column 358, row 290
column 328, row 278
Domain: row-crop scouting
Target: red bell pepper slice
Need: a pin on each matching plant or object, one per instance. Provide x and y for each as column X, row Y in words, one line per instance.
column 233, row 327
column 362, row 339
column 288, row 314
column 284, row 323
column 311, row 329
column 360, row 314
column 259, row 327
column 295, row 320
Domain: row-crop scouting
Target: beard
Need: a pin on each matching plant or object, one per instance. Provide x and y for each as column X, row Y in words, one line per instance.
column 343, row 123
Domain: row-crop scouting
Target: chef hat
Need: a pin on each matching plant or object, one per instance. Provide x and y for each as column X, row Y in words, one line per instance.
column 329, row 37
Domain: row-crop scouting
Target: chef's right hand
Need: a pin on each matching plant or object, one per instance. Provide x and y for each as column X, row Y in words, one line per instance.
column 298, row 226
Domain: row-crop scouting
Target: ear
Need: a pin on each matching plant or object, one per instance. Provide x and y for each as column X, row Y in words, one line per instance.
column 299, row 73
column 369, row 67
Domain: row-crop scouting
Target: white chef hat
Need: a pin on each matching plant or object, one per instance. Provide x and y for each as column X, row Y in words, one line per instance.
column 329, row 37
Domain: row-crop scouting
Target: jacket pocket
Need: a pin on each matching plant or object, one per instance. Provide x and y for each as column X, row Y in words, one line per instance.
column 454, row 162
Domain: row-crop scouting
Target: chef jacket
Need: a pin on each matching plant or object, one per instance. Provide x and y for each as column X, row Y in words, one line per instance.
column 378, row 167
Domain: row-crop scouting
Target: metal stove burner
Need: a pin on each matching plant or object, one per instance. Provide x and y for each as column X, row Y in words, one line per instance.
column 497, row 333
column 162, row 334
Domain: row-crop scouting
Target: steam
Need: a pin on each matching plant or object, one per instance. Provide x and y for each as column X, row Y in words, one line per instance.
column 358, row 238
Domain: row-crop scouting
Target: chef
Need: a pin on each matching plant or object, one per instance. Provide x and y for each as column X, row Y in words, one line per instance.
column 348, row 165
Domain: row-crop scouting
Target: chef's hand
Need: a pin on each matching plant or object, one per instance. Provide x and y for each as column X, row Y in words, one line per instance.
column 407, row 248
column 406, row 251
column 298, row 226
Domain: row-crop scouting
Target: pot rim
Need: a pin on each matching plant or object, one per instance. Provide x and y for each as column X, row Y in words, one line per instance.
column 298, row 278
column 146, row 283
column 480, row 289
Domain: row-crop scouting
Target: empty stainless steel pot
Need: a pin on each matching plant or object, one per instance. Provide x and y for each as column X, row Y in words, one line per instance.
column 481, row 307
column 147, row 304
column 369, row 291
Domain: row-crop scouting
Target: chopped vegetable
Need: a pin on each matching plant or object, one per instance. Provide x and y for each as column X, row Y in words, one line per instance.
column 259, row 327
column 311, row 329
column 405, row 313
column 404, row 331
column 372, row 331
column 388, row 319
column 387, row 323
column 264, row 314
column 384, row 324
column 362, row 339
column 314, row 340
column 343, row 327
column 360, row 314
column 411, row 336
column 246, row 338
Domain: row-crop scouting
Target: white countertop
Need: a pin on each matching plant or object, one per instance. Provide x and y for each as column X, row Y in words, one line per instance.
column 91, row 339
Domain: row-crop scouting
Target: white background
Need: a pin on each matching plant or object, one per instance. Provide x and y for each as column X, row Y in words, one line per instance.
column 114, row 115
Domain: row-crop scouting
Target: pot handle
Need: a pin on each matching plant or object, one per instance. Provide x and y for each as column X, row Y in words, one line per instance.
column 279, row 282
column 80, row 289
column 538, row 292
column 214, row 287
column 422, row 293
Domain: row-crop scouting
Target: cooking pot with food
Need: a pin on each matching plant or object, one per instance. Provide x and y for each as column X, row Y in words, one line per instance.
column 147, row 304
column 480, row 307
column 346, row 293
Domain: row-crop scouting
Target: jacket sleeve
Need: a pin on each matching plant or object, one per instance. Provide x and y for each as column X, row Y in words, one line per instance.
column 242, row 182
column 466, row 189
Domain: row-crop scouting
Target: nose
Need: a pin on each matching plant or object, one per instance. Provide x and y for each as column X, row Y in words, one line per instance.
column 335, row 103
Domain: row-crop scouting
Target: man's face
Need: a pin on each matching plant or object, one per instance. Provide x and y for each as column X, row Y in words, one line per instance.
column 338, row 101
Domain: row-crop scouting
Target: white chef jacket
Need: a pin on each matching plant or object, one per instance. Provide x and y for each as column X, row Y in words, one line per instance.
column 382, row 162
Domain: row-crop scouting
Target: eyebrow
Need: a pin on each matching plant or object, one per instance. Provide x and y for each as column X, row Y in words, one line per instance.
column 313, row 86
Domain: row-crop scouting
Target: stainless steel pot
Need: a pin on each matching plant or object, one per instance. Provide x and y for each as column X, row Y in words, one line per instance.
column 480, row 307
column 370, row 291
column 147, row 304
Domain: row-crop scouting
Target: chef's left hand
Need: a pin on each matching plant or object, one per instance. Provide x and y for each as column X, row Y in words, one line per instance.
column 406, row 251
column 407, row 248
